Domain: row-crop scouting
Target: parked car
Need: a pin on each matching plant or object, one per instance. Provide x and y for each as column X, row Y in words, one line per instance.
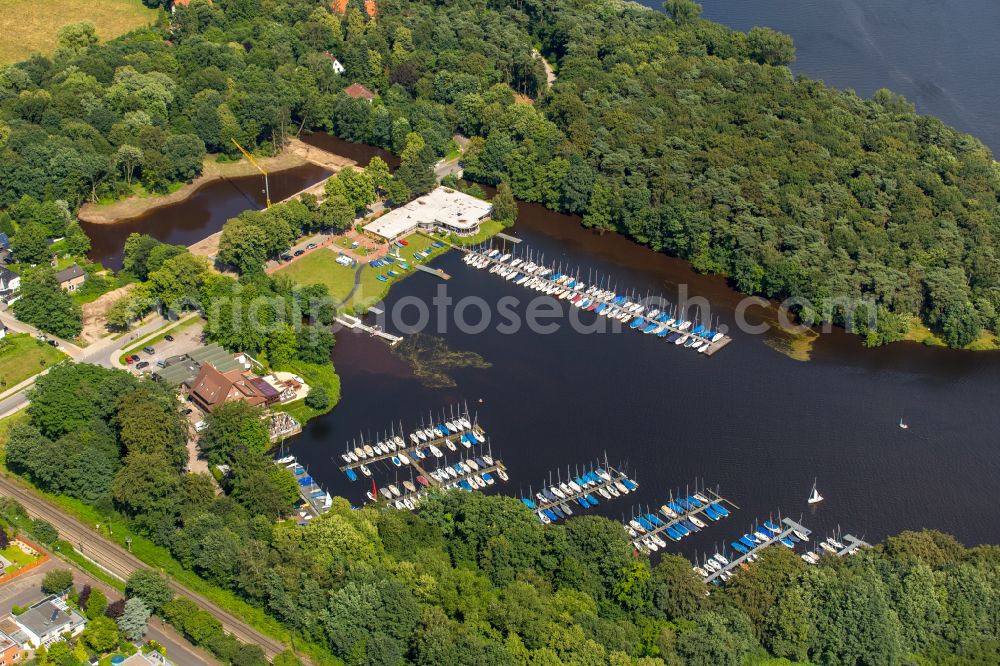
column 141, row 364
column 403, row 242
column 168, row 338
column 161, row 363
column 149, row 350
column 186, row 411
column 133, row 358
column 200, row 425
column 129, row 360
column 53, row 343
column 310, row 246
column 286, row 257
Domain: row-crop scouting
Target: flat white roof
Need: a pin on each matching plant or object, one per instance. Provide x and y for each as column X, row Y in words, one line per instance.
column 442, row 206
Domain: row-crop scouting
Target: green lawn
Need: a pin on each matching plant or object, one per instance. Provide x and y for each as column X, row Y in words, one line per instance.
column 22, row 356
column 17, row 557
column 315, row 375
column 29, row 26
column 486, row 230
column 321, row 267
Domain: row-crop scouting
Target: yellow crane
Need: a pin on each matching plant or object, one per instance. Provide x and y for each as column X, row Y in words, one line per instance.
column 267, row 187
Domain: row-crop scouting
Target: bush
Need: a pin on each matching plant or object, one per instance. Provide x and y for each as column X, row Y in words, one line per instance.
column 57, row 582
column 17, row 610
column 149, row 586
column 44, row 532
column 318, row 398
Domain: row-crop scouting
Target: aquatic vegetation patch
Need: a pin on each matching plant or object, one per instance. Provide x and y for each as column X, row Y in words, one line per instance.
column 430, row 358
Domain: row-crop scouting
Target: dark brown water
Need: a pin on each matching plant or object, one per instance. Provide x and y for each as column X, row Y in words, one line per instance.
column 200, row 215
column 750, row 419
column 359, row 152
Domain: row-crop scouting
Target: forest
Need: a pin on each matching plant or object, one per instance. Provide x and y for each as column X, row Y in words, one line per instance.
column 475, row 579
column 689, row 137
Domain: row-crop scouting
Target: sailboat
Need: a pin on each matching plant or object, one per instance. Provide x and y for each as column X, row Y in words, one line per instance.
column 903, row 425
column 814, row 496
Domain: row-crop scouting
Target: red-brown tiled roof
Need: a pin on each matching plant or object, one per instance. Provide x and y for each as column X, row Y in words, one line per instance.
column 359, row 91
column 340, row 6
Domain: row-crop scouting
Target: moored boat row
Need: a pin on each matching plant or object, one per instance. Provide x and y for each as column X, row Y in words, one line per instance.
column 676, row 519
column 663, row 320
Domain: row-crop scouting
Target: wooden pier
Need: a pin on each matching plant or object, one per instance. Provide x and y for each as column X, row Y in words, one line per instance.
column 789, row 527
column 713, row 497
column 571, row 500
column 437, row 272
column 316, row 501
column 350, row 321
column 853, row 544
column 709, row 350
column 434, row 482
column 409, row 447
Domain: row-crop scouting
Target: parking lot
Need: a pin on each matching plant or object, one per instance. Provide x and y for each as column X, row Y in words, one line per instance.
column 184, row 340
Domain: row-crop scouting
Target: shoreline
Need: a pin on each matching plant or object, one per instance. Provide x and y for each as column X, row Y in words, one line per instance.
column 134, row 206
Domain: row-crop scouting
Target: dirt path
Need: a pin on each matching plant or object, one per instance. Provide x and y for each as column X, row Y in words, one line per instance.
column 212, row 170
column 95, row 314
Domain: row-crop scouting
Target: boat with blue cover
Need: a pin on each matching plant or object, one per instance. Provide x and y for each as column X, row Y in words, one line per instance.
column 591, row 499
column 550, row 515
column 672, row 534
column 351, row 475
column 721, row 510
column 555, row 510
column 771, row 527
column 683, row 531
column 528, row 503
column 653, row 519
column 786, row 542
column 645, row 523
column 691, row 526
column 739, row 547
column 747, row 541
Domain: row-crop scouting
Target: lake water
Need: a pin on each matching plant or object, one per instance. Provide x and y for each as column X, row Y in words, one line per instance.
column 750, row 419
column 940, row 54
column 200, row 215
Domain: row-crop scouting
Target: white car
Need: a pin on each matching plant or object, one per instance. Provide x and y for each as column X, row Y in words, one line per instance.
column 200, row 425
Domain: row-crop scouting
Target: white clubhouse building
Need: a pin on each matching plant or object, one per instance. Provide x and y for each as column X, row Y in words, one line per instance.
column 444, row 208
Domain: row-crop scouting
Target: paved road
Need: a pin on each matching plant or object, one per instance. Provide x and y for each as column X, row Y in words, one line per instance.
column 27, row 589
column 121, row 563
column 103, row 352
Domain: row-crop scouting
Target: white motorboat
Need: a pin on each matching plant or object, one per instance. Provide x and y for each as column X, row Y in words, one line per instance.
column 364, row 470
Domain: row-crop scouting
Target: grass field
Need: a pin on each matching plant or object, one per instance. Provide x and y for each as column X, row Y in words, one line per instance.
column 29, row 26
column 321, row 267
column 22, row 356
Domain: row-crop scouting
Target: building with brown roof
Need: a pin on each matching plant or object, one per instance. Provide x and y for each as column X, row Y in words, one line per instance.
column 358, row 91
column 211, row 388
column 71, row 278
column 340, row 7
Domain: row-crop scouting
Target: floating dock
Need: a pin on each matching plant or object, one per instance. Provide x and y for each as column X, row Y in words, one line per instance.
column 558, row 500
column 852, row 545
column 684, row 508
column 575, row 293
column 315, row 500
column 349, row 321
column 459, row 439
column 490, row 474
column 788, row 526
column 437, row 272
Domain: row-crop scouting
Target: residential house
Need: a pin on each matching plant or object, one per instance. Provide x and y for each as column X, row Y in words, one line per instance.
column 212, row 388
column 71, row 278
column 358, row 91
column 48, row 621
column 10, row 650
column 335, row 64
column 9, row 281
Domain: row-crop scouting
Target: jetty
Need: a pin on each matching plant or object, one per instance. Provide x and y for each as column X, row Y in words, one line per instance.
column 559, row 499
column 786, row 528
column 851, row 545
column 658, row 317
column 350, row 321
column 465, row 474
column 436, row 272
column 674, row 519
column 315, row 500
column 461, row 438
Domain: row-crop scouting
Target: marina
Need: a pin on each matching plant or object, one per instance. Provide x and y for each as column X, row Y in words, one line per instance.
column 650, row 315
column 469, row 474
column 315, row 500
column 557, row 500
column 718, row 568
column 449, row 434
column 676, row 519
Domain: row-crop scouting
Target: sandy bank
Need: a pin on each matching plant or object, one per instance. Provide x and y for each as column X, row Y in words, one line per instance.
column 134, row 206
